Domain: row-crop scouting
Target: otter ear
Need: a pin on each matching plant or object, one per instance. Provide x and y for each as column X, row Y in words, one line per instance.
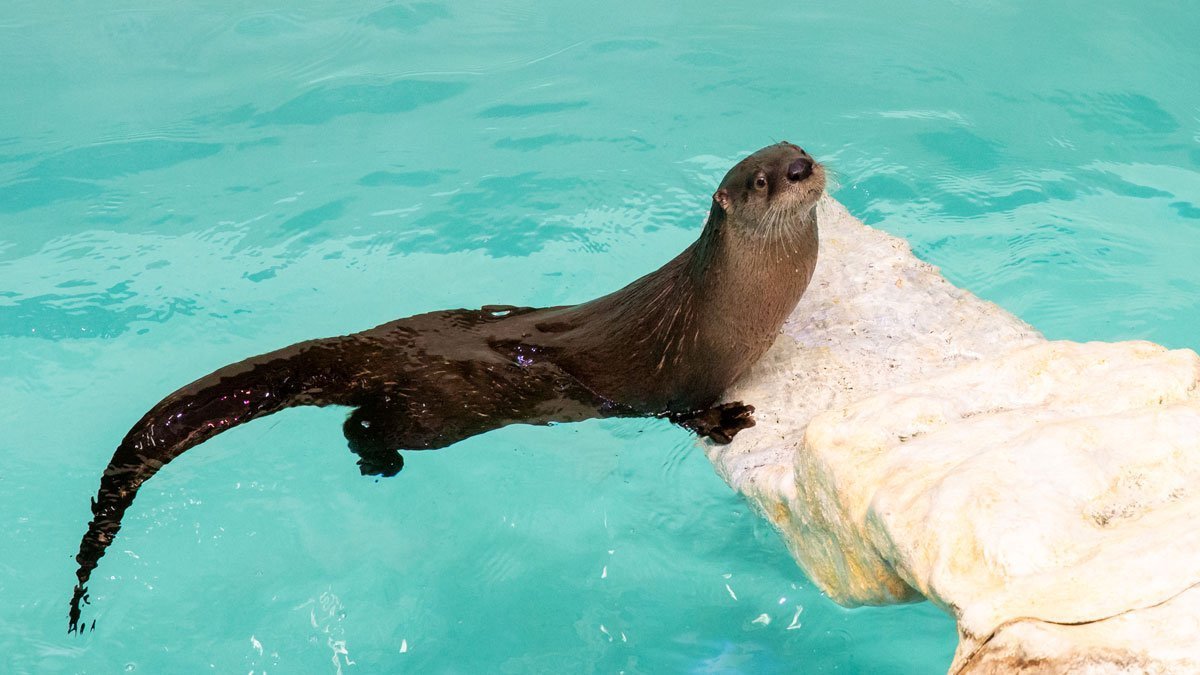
column 722, row 197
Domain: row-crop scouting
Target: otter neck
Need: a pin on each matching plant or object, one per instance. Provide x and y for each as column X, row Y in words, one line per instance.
column 749, row 281
column 676, row 338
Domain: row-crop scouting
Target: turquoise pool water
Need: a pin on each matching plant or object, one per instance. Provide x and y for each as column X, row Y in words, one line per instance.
column 185, row 184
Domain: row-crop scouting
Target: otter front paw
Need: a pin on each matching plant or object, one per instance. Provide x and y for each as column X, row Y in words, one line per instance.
column 720, row 423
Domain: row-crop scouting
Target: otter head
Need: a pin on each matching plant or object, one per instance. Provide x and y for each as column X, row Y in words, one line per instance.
column 776, row 187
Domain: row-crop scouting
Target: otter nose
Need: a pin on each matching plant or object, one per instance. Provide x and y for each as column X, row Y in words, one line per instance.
column 799, row 169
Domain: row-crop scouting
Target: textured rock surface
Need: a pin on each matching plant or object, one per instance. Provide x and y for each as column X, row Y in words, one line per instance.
column 914, row 441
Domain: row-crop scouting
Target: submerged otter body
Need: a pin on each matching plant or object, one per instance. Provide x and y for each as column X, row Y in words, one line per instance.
column 665, row 345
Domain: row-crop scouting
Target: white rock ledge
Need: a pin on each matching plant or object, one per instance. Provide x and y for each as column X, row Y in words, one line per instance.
column 914, row 442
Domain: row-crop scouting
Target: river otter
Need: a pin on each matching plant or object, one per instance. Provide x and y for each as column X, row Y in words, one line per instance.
column 666, row 345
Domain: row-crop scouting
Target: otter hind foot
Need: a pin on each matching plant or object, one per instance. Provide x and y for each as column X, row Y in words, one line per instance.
column 383, row 464
column 368, row 438
column 719, row 423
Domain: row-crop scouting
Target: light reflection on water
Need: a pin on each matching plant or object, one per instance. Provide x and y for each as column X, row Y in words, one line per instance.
column 182, row 187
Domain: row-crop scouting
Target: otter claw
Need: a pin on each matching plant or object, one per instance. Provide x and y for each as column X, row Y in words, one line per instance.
column 719, row 424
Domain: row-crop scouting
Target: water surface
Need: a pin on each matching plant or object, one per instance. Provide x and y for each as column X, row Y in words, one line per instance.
column 185, row 184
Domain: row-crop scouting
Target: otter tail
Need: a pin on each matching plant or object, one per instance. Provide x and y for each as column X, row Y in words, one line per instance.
column 319, row 372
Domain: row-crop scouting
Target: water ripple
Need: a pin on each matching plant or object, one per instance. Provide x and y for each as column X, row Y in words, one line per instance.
column 326, row 102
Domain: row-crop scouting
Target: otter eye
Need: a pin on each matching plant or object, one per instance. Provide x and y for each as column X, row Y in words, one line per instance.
column 760, row 181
